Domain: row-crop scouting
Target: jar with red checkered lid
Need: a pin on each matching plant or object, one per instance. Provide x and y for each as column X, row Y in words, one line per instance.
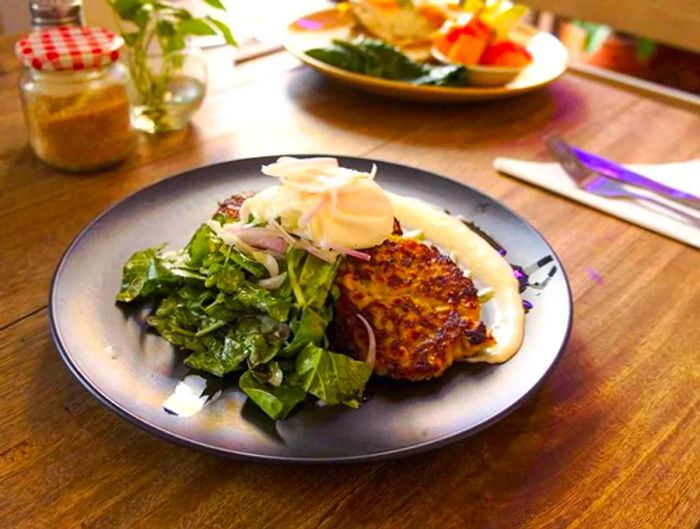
column 75, row 97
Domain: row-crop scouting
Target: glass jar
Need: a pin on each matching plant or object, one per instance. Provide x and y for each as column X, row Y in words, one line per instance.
column 75, row 98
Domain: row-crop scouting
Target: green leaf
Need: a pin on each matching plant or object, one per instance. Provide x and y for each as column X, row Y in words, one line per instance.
column 448, row 75
column 165, row 28
column 597, row 34
column 173, row 44
column 194, row 26
column 254, row 268
column 311, row 278
column 225, row 277
column 203, row 243
column 144, row 274
column 181, row 14
column 295, row 262
column 316, row 278
column 218, row 356
column 221, row 348
column 224, row 30
column 131, row 38
column 216, row 3
column 126, row 9
column 334, row 378
column 276, row 402
column 269, row 374
column 143, row 15
column 308, row 329
column 250, row 296
column 378, row 59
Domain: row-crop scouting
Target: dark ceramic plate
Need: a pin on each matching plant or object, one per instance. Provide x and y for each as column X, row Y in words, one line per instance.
column 133, row 371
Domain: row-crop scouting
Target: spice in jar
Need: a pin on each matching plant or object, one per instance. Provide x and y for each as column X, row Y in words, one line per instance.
column 74, row 93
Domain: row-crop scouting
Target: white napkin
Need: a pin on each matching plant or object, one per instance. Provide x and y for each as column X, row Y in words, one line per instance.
column 681, row 175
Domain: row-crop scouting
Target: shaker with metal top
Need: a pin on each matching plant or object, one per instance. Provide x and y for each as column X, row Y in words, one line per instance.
column 47, row 13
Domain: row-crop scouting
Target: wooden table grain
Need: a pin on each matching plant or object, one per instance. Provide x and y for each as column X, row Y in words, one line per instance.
column 611, row 440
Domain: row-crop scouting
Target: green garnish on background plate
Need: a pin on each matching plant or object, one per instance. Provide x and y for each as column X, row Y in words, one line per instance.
column 378, row 59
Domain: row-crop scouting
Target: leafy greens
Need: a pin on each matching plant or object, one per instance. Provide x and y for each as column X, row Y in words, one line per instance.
column 378, row 59
column 210, row 305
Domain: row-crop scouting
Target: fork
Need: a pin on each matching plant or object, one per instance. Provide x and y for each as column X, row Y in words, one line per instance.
column 598, row 184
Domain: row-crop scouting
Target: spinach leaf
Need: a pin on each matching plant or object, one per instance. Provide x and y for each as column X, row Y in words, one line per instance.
column 145, row 274
column 250, row 297
column 217, row 355
column 316, row 279
column 203, row 243
column 334, row 378
column 257, row 339
column 447, row 75
column 308, row 328
column 378, row 59
column 270, row 373
column 225, row 277
column 177, row 319
column 276, row 402
column 311, row 278
column 254, row 268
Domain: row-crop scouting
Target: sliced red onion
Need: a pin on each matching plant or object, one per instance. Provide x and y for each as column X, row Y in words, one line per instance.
column 229, row 237
column 273, row 283
column 371, row 356
column 277, row 227
column 262, row 238
column 233, row 239
column 325, row 255
column 352, row 253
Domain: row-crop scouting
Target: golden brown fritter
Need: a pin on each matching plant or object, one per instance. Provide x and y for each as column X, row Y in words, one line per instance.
column 423, row 310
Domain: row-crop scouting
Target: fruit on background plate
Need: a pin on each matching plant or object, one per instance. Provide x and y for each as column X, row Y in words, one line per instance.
column 505, row 53
column 472, row 41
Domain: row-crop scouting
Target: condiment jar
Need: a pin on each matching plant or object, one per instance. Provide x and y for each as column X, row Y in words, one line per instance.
column 75, row 97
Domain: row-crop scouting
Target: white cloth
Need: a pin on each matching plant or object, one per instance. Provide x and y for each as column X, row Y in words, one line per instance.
column 680, row 175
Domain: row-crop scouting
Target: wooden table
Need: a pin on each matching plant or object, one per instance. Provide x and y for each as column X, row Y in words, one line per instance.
column 611, row 440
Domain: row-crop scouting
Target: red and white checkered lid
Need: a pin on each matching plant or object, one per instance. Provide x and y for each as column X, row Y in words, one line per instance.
column 69, row 48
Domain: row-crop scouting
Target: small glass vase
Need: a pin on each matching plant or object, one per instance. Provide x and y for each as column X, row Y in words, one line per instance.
column 168, row 89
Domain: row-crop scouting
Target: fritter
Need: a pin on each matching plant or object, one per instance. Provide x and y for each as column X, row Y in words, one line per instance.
column 422, row 308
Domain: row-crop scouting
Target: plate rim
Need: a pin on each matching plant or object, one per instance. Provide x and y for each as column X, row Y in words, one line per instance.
column 451, row 94
column 240, row 455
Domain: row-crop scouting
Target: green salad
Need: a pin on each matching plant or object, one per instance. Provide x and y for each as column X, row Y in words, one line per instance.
column 228, row 315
